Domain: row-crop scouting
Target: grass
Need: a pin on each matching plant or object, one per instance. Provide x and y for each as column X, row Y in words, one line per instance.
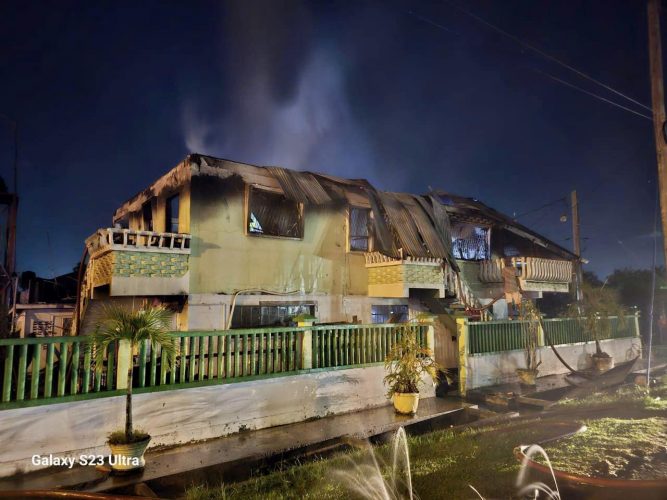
column 609, row 446
column 440, row 458
column 445, row 463
column 628, row 398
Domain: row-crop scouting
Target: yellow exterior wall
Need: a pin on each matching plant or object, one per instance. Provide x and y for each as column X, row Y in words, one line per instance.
column 225, row 259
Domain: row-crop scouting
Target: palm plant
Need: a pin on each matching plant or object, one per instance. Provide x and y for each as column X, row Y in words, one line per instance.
column 597, row 304
column 406, row 362
column 134, row 326
column 530, row 318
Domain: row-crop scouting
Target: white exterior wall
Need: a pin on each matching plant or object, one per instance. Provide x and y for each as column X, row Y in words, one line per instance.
column 499, row 368
column 181, row 416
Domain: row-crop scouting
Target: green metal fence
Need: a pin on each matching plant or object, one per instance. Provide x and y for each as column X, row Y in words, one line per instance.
column 348, row 345
column 57, row 369
column 497, row 336
column 54, row 367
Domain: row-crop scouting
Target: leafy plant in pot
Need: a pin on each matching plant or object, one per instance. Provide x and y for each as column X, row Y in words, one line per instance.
column 594, row 310
column 530, row 324
column 118, row 323
column 407, row 362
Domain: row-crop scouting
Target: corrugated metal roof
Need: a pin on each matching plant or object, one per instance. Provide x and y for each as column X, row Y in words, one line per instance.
column 303, row 187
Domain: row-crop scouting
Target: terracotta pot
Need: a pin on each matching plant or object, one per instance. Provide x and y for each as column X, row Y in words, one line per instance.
column 407, row 403
column 602, row 363
column 127, row 457
column 526, row 376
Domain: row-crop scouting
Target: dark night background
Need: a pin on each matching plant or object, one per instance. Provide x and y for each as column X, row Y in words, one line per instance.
column 111, row 94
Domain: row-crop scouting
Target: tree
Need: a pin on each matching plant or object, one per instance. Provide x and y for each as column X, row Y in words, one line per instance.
column 147, row 324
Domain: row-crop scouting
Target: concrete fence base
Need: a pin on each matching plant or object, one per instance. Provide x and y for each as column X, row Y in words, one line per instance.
column 498, row 368
column 185, row 415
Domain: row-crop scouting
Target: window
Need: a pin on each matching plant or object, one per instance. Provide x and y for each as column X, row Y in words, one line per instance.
column 470, row 242
column 42, row 328
column 389, row 314
column 360, row 229
column 265, row 315
column 171, row 214
column 272, row 214
column 147, row 216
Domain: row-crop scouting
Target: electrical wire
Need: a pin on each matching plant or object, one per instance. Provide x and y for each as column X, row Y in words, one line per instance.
column 568, row 84
column 563, row 199
column 544, row 54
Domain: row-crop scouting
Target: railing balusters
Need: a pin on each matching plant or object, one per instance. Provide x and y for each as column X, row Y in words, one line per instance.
column 201, row 365
column 221, row 358
column 192, row 359
column 7, row 379
column 74, row 379
column 164, row 366
column 237, row 356
column 34, row 372
column 153, row 375
column 182, row 356
column 62, row 370
column 142, row 363
column 48, row 370
column 87, row 361
column 253, row 361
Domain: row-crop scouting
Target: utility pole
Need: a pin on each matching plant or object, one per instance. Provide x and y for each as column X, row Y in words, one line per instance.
column 658, row 100
column 576, row 246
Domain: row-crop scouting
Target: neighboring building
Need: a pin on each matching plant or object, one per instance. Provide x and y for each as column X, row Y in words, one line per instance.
column 44, row 320
column 230, row 245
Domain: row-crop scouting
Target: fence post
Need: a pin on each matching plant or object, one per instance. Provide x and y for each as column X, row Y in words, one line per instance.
column 637, row 324
column 540, row 335
column 429, row 320
column 123, row 363
column 462, row 336
column 307, row 341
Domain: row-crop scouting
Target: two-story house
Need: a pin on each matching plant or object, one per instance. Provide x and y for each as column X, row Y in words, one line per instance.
column 231, row 245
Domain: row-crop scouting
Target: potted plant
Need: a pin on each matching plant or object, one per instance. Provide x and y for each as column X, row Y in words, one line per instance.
column 530, row 324
column 118, row 323
column 596, row 306
column 406, row 362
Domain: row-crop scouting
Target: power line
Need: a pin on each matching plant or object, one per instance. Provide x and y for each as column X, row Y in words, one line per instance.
column 544, row 54
column 559, row 200
column 594, row 95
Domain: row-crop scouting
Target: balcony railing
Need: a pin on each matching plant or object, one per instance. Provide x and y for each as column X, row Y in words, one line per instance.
column 389, row 277
column 530, row 269
column 543, row 270
column 130, row 239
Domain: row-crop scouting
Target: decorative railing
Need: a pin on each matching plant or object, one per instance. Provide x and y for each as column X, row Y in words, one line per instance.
column 346, row 345
column 52, row 368
column 36, row 371
column 491, row 271
column 498, row 336
column 454, row 284
column 543, row 270
column 389, row 277
column 130, row 239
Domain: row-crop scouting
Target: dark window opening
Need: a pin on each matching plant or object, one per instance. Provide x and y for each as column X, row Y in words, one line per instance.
column 42, row 328
column 272, row 214
column 123, row 222
column 360, row 229
column 147, row 216
column 171, row 214
column 389, row 314
column 275, row 315
column 470, row 242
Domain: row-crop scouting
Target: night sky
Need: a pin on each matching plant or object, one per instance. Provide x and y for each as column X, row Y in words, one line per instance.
column 109, row 95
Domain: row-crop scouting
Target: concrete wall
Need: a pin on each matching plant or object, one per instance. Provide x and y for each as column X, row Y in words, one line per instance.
column 491, row 369
column 181, row 416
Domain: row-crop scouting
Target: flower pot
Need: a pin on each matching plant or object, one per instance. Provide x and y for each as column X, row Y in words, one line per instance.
column 128, row 457
column 526, row 376
column 406, row 403
column 603, row 363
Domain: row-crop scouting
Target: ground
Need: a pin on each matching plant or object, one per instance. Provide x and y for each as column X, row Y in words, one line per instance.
column 626, row 437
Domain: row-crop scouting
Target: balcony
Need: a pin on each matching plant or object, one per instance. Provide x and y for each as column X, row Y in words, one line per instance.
column 535, row 274
column 138, row 262
column 389, row 277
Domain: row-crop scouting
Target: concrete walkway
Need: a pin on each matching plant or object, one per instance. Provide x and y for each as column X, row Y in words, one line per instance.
column 251, row 446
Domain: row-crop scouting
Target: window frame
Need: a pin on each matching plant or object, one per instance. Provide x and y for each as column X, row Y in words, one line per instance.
column 370, row 237
column 246, row 215
column 167, row 212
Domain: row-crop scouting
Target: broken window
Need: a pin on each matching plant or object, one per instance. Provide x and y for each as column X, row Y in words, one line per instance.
column 389, row 313
column 272, row 214
column 147, row 216
column 470, row 242
column 171, row 214
column 360, row 229
column 265, row 315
